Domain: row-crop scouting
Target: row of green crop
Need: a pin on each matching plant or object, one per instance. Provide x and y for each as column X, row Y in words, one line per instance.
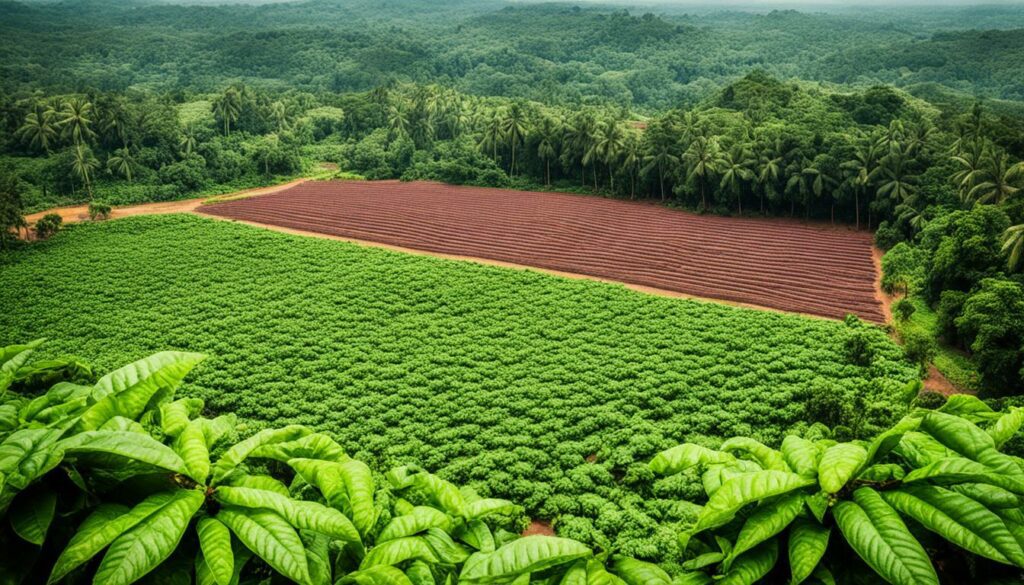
column 543, row 390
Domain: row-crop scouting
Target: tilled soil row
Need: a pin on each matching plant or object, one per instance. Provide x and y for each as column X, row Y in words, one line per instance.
column 780, row 264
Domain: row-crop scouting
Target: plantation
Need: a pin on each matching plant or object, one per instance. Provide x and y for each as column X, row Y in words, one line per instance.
column 550, row 392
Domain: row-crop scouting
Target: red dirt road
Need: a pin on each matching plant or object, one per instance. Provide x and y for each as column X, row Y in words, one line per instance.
column 778, row 264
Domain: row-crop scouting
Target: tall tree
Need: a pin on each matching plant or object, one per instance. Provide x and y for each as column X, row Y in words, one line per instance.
column 896, row 182
column 121, row 163
column 999, row 178
column 76, row 120
column 548, row 132
column 736, row 172
column 1013, row 246
column 228, row 107
column 514, row 128
column 861, row 172
column 703, row 160
column 39, row 129
column 84, row 165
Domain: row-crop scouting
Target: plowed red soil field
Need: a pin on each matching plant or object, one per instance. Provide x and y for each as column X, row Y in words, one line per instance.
column 778, row 264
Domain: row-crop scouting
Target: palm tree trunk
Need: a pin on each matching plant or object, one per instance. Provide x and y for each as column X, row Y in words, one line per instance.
column 611, row 178
column 661, row 182
column 739, row 202
column 856, row 203
column 547, row 170
column 595, row 177
column 512, row 166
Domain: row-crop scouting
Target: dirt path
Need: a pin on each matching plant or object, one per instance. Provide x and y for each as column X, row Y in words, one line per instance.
column 78, row 213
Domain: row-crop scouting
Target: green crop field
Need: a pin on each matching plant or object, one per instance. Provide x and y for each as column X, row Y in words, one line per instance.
column 541, row 389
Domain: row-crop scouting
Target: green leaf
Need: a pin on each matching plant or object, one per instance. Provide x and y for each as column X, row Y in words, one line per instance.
column 488, row 506
column 190, row 445
column 132, row 389
column 421, row 518
column 346, row 486
column 1006, row 426
column 476, row 534
column 768, row 458
column 959, row 519
column 746, row 489
column 444, row 548
column 318, row 556
column 961, row 470
column 801, row 455
column 101, row 528
column 576, row 574
column 238, row 453
column 596, row 575
column 379, row 575
column 963, row 405
column 970, row 441
column 921, row 449
column 301, row 514
column 28, row 454
column 271, row 538
column 635, row 572
column 419, row 573
column 175, row 416
column 130, row 445
column 767, row 520
column 12, row 358
column 838, row 465
column 215, row 542
column 398, row 551
column 260, row 482
column 31, row 514
column 878, row 535
column 887, row 441
column 717, row 474
column 750, row 567
column 529, row 554
column 807, row 543
column 685, row 456
column 313, row 446
column 989, row 495
column 141, row 548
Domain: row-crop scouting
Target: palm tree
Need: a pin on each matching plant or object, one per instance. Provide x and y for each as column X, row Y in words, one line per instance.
column 76, row 120
column 514, row 127
column 547, row 144
column 607, row 147
column 83, row 165
column 897, row 182
column 769, row 169
column 39, row 129
column 188, row 141
column 861, row 173
column 970, row 162
column 998, row 180
column 228, row 107
column 579, row 139
column 121, row 163
column 736, row 165
column 659, row 156
column 703, row 160
column 279, row 114
column 1013, row 246
column 398, row 120
column 798, row 186
column 914, row 218
column 632, row 157
column 492, row 135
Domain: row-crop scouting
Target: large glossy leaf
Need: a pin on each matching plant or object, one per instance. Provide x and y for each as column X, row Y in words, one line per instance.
column 419, row 573
column 751, row 566
column 476, row 534
column 685, row 456
column 190, row 445
column 31, row 514
column 101, row 528
column 921, row 449
column 134, row 388
column 379, row 575
column 766, row 457
column 419, row 520
column 636, row 572
column 271, row 538
column 313, row 446
column 134, row 446
column 444, row 548
column 575, row 574
column 301, row 514
column 215, row 542
column 141, row 548
column 260, row 482
column 989, row 495
column 887, row 441
column 318, row 556
column 770, row 518
column 970, row 441
column 717, row 474
column 597, row 574
column 1006, row 426
column 959, row 519
column 238, row 453
column 489, row 506
column 838, row 465
column 744, row 490
column 525, row 555
column 398, row 551
column 12, row 358
column 807, row 543
column 346, row 486
column 175, row 416
column 877, row 534
column 25, row 456
column 961, row 470
column 802, row 456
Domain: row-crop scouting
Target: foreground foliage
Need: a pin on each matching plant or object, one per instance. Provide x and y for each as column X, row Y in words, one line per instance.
column 126, row 482
column 934, row 484
column 537, row 389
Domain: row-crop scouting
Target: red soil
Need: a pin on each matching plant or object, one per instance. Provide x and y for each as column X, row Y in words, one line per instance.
column 779, row 264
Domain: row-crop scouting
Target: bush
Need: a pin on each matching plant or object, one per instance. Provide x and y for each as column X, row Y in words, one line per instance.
column 887, row 236
column 931, row 400
column 903, row 309
column 48, row 225
column 858, row 343
column 98, row 211
column 919, row 347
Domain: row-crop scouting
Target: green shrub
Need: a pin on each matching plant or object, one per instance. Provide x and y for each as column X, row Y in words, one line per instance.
column 98, row 211
column 858, row 342
column 903, row 309
column 930, row 400
column 919, row 347
column 48, row 225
